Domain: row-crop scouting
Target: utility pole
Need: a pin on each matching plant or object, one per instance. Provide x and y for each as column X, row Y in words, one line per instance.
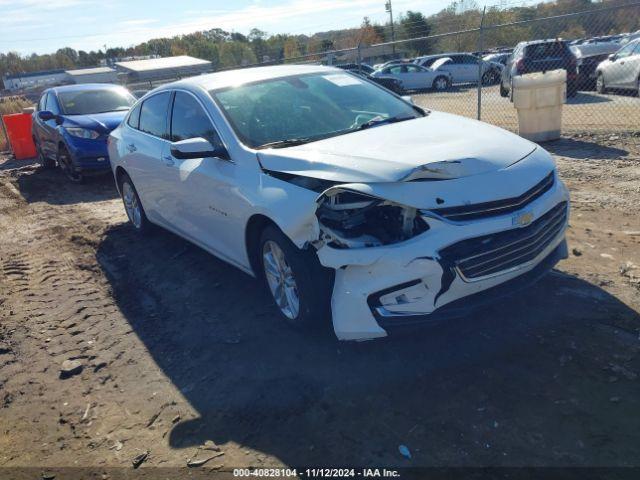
column 389, row 9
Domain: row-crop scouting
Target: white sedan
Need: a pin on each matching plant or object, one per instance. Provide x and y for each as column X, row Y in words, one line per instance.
column 416, row 77
column 353, row 204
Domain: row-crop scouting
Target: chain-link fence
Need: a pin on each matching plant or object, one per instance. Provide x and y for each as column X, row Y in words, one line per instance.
column 480, row 55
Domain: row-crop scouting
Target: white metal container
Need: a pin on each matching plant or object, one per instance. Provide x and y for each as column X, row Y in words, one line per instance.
column 539, row 97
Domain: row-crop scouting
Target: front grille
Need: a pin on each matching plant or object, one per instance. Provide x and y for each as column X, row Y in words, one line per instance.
column 488, row 255
column 497, row 207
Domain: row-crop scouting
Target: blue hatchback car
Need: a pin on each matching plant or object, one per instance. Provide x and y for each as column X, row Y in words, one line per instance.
column 72, row 123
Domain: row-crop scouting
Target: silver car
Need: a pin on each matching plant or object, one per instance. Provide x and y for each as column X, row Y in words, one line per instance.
column 621, row 70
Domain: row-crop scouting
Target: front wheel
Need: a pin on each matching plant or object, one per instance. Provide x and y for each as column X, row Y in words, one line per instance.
column 441, row 83
column 66, row 165
column 600, row 86
column 503, row 91
column 43, row 160
column 299, row 285
column 133, row 206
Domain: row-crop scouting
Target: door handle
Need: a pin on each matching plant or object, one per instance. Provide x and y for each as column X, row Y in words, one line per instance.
column 168, row 161
column 131, row 147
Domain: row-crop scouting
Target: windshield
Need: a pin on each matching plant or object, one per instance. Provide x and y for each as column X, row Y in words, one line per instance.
column 85, row 102
column 303, row 108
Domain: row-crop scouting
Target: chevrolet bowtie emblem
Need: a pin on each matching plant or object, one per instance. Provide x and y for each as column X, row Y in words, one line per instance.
column 522, row 219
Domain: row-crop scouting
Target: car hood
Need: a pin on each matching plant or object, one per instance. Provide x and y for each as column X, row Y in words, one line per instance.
column 100, row 122
column 436, row 147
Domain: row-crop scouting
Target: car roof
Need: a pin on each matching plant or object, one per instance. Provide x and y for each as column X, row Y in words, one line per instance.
column 547, row 40
column 229, row 78
column 85, row 87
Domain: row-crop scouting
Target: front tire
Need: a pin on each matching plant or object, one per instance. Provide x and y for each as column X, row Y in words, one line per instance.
column 44, row 161
column 441, row 83
column 600, row 86
column 299, row 285
column 504, row 93
column 66, row 165
column 133, row 206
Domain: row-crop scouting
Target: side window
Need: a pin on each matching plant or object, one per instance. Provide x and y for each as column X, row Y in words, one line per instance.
column 42, row 104
column 637, row 50
column 413, row 69
column 153, row 115
column 457, row 59
column 134, row 117
column 52, row 104
column 395, row 70
column 470, row 60
column 189, row 120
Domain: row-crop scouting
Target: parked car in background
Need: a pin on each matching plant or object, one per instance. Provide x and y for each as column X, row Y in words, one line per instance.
column 389, row 83
column 464, row 67
column 540, row 56
column 71, row 125
column 621, row 70
column 351, row 203
column 354, row 67
column 415, row 77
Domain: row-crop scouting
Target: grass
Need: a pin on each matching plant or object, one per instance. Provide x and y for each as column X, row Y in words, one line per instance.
column 10, row 105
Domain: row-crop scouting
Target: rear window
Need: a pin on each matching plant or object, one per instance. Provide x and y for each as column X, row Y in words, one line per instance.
column 546, row 50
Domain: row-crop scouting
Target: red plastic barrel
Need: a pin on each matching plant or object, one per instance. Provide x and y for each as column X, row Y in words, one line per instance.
column 18, row 126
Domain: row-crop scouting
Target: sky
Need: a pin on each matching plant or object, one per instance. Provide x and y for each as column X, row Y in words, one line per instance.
column 43, row 26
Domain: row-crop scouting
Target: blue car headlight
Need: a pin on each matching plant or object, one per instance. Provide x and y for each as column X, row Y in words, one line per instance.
column 82, row 133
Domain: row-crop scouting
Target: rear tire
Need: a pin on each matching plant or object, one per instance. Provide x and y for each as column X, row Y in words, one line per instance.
column 133, row 206
column 299, row 285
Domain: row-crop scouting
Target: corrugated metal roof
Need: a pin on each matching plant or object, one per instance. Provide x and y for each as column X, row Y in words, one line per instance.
column 90, row 71
column 162, row 63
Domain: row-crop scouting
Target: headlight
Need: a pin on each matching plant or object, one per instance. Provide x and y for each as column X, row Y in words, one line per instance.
column 82, row 133
column 352, row 220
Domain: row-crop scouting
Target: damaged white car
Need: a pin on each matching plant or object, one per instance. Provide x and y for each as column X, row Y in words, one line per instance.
column 352, row 203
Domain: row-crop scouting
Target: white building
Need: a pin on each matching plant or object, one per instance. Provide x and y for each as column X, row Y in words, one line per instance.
column 163, row 68
column 26, row 81
column 93, row 75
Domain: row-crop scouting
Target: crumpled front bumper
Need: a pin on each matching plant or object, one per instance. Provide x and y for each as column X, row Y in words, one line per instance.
column 380, row 287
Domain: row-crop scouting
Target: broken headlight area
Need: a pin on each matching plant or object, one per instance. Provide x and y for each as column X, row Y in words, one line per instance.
column 353, row 220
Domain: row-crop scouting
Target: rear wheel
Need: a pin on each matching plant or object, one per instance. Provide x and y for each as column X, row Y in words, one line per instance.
column 299, row 285
column 66, row 165
column 441, row 83
column 133, row 206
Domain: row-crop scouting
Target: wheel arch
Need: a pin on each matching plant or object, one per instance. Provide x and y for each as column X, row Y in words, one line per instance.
column 255, row 225
column 119, row 174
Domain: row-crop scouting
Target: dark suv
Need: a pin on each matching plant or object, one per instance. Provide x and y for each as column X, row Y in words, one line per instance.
column 540, row 56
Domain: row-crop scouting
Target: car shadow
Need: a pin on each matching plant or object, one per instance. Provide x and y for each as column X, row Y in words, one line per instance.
column 574, row 148
column 51, row 186
column 309, row 399
column 583, row 98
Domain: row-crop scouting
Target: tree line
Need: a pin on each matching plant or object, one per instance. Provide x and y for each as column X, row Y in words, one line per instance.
column 228, row 49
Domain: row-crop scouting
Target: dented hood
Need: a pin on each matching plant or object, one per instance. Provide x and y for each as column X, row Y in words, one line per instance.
column 438, row 146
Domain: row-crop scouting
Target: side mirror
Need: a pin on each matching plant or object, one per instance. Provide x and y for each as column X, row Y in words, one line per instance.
column 197, row 148
column 46, row 115
column 408, row 98
column 612, row 57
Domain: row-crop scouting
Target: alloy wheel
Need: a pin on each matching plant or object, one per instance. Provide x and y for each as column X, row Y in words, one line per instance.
column 132, row 205
column 280, row 279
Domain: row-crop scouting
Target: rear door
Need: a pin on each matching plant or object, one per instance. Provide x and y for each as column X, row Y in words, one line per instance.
column 469, row 69
column 144, row 143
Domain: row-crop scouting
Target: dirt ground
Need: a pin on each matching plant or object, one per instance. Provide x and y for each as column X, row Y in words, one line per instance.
column 587, row 111
column 179, row 350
